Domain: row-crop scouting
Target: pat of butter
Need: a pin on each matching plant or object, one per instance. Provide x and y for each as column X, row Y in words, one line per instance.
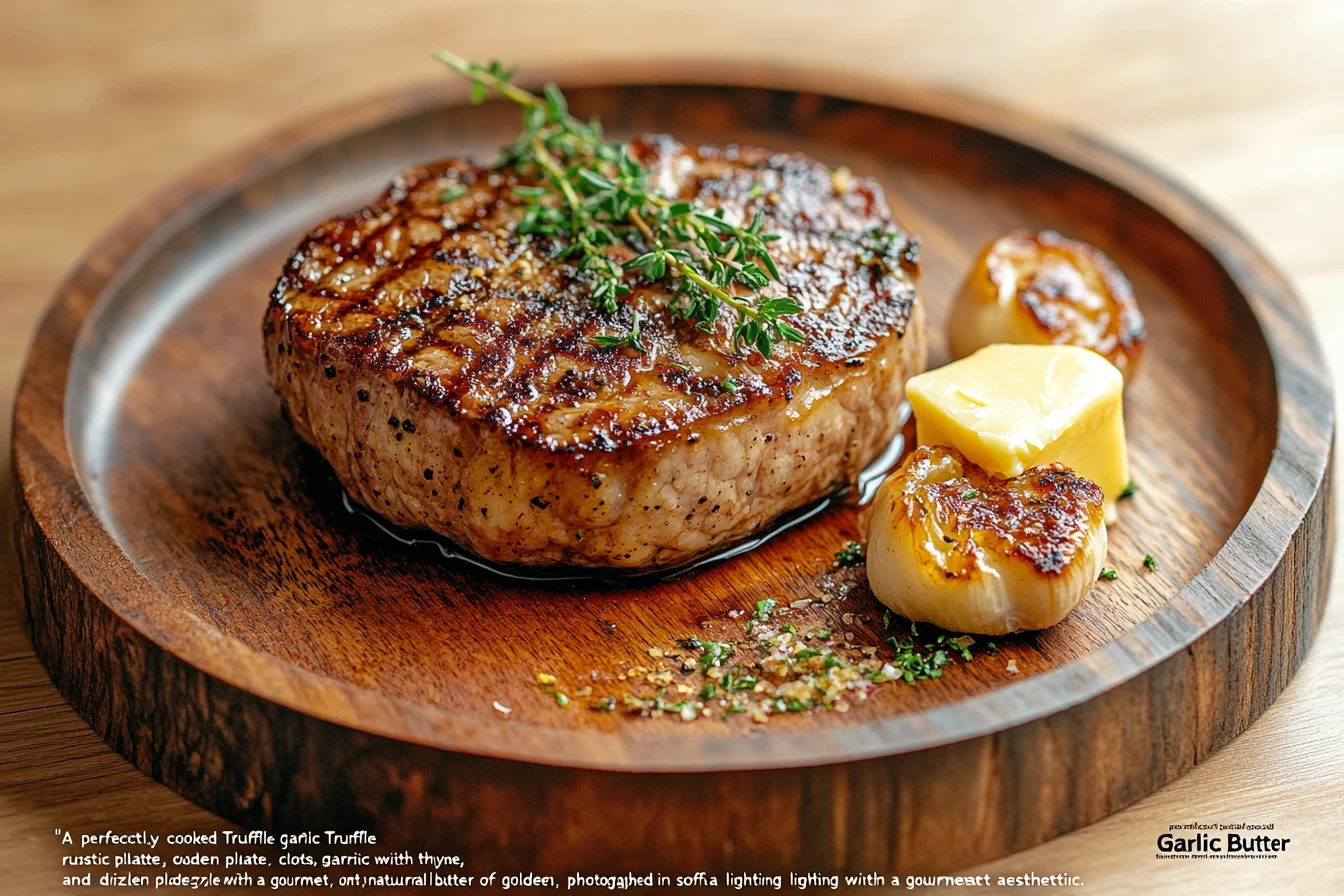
column 1009, row 408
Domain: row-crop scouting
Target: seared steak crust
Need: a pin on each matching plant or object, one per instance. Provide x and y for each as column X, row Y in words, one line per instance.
column 444, row 366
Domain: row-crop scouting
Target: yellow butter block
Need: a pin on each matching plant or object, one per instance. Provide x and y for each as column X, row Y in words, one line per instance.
column 1009, row 408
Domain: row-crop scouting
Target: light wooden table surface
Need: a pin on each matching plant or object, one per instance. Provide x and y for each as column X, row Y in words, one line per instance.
column 101, row 102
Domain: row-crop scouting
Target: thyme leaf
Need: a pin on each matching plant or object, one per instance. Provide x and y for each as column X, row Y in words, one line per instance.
column 851, row 554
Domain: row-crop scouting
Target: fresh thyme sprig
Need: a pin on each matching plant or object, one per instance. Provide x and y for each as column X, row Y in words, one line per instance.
column 595, row 195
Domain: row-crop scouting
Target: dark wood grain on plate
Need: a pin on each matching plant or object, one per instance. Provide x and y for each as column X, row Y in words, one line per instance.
column 198, row 593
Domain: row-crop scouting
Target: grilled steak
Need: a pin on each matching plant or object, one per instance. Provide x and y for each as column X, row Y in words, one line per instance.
column 445, row 366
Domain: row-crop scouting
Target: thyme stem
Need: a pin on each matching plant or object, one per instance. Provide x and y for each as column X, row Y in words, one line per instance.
column 557, row 175
column 488, row 78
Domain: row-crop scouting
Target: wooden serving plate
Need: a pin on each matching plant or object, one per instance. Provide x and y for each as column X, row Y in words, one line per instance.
column 196, row 590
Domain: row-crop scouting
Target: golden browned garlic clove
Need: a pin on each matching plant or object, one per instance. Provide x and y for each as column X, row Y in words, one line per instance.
column 1040, row 288
column 952, row 545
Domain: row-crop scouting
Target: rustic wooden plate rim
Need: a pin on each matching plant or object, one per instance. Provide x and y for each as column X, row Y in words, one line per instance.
column 1235, row 572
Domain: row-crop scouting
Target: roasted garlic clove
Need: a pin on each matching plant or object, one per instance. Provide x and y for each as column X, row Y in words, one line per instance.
column 954, row 546
column 1042, row 288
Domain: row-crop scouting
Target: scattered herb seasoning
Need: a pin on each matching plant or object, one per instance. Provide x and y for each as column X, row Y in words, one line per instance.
column 596, row 196
column 1109, row 574
column 849, row 555
column 546, row 682
column 890, row 249
column 1131, row 489
column 772, row 669
column 911, row 664
column 629, row 339
column 456, row 191
column 1151, row 562
column 730, row 384
column 733, row 682
column 962, row 644
column 970, row 493
column 714, row 652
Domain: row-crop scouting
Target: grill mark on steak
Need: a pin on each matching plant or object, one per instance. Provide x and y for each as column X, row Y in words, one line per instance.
column 445, row 298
